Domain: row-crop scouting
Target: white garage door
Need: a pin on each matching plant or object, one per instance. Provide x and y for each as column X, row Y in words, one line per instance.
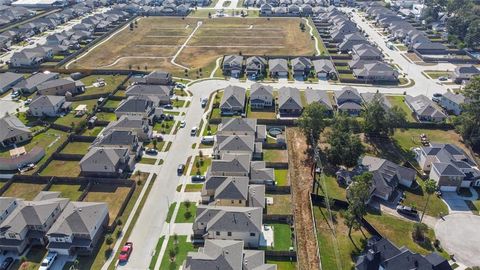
column 448, row 188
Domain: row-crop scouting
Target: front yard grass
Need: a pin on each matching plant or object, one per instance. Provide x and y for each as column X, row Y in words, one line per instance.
column 182, row 214
column 165, row 127
column 76, row 148
column 26, row 191
column 210, row 130
column 171, row 208
column 70, row 191
column 62, row 168
column 333, row 239
column 200, row 165
column 112, row 195
column 417, row 197
column 282, row 204
column 399, row 101
column 182, row 247
column 437, row 74
column 275, row 156
column 149, row 161
column 191, row 188
column 281, row 177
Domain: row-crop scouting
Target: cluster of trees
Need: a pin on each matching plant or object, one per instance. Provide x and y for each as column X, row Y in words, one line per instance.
column 468, row 123
column 463, row 23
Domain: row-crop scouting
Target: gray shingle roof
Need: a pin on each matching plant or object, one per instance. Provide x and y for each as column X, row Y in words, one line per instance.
column 289, row 98
column 320, row 96
column 11, row 127
column 278, row 65
column 230, row 219
column 9, row 78
column 233, row 97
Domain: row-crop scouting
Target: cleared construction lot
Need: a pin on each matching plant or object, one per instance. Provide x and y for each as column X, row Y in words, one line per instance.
column 197, row 43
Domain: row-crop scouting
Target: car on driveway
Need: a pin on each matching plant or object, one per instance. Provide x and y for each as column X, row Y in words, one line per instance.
column 48, row 261
column 125, row 252
column 198, row 178
column 7, row 263
column 407, row 211
column 151, row 151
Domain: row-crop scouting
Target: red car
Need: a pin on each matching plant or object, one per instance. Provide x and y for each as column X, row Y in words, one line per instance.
column 125, row 252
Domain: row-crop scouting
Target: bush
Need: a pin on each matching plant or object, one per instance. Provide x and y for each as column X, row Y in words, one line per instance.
column 109, row 239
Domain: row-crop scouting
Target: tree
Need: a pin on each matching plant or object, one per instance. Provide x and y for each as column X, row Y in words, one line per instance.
column 109, row 239
column 312, row 122
column 419, row 230
column 175, row 239
column 468, row 123
column 430, row 186
column 379, row 120
column 188, row 204
column 171, row 254
column 357, row 196
column 154, row 142
column 345, row 148
column 187, row 215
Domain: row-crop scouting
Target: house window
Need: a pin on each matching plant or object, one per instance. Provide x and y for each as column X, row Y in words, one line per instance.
column 239, row 201
column 252, row 234
column 229, row 233
column 217, row 233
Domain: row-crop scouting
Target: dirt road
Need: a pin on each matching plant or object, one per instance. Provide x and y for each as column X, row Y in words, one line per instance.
column 301, row 182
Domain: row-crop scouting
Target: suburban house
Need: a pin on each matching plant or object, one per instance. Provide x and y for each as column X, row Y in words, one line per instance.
column 159, row 94
column 349, row 101
column 30, row 84
column 366, row 52
column 301, row 66
column 31, row 57
column 138, row 106
column 7, row 205
column 232, row 65
column 230, row 165
column 289, row 102
column 157, row 77
column 13, row 131
column 261, row 96
column 351, row 40
column 229, row 223
column 78, row 229
column 226, row 254
column 233, row 191
column 320, row 96
column 255, row 66
column 448, row 165
column 60, row 87
column 242, row 126
column 50, row 106
column 324, row 69
column 425, row 109
column 135, row 123
column 380, row 253
column 465, row 73
column 260, row 174
column 237, row 144
column 29, row 222
column 8, row 80
column 278, row 67
column 233, row 100
column 386, row 176
column 106, row 162
column 428, row 47
column 375, row 72
column 452, row 103
column 369, row 97
column 120, row 138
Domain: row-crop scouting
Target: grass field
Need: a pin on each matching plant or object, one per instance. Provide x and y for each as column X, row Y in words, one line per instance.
column 62, row 168
column 398, row 101
column 275, row 155
column 78, row 148
column 281, row 177
column 182, row 247
column 155, row 41
column 111, row 82
column 113, row 196
column 26, row 191
column 282, row 204
column 72, row 191
column 408, row 138
column 182, row 216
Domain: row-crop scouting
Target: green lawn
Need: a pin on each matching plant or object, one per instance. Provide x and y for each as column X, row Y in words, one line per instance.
column 210, row 130
column 337, row 250
column 26, row 191
column 91, row 103
column 399, row 101
column 171, row 208
column 200, row 165
column 193, row 187
column 80, row 148
column 178, row 103
column 182, row 248
column 105, row 116
column 330, row 186
column 418, row 198
column 112, row 103
column 165, row 127
column 159, row 145
column 438, row 74
column 70, row 118
column 111, row 81
column 71, row 191
column 399, row 231
column 62, row 168
column 283, row 265
column 281, row 177
column 282, row 239
column 157, row 252
column 275, row 155
column 150, row 161
column 92, row 132
column 409, row 138
column 282, row 204
column 261, row 114
column 182, row 216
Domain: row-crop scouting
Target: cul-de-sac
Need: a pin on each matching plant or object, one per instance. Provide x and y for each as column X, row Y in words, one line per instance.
column 239, row 134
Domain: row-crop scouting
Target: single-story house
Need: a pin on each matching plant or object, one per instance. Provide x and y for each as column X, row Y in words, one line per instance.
column 453, row 102
column 465, row 73
column 325, row 69
column 289, row 102
column 31, row 83
column 60, row 87
column 375, row 72
column 425, row 109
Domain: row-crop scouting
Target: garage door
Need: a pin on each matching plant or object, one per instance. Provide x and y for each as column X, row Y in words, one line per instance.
column 448, row 188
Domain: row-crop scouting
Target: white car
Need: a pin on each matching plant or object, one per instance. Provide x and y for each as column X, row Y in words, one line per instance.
column 183, row 124
column 48, row 261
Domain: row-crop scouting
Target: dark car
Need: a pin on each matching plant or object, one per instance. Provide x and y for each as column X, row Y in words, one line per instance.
column 198, row 178
column 408, row 211
column 151, row 151
column 6, row 263
column 180, row 169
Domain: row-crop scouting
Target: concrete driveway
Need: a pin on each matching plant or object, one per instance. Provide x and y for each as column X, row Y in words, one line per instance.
column 458, row 234
column 455, row 203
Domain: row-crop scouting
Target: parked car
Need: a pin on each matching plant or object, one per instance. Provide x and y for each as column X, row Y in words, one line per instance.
column 204, row 102
column 408, row 211
column 183, row 124
column 437, row 97
column 125, row 252
column 168, row 106
column 443, row 78
column 151, row 151
column 208, row 139
column 193, row 132
column 28, row 101
column 198, row 178
column 180, row 169
column 26, row 167
column 48, row 261
column 7, row 263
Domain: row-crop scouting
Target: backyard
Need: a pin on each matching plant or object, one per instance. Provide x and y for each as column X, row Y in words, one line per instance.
column 76, row 148
column 26, row 191
column 275, row 156
column 281, row 177
column 282, row 204
column 70, row 191
column 62, row 168
column 111, row 83
column 112, row 195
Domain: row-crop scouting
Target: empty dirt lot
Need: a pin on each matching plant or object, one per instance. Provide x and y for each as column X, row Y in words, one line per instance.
column 156, row 40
